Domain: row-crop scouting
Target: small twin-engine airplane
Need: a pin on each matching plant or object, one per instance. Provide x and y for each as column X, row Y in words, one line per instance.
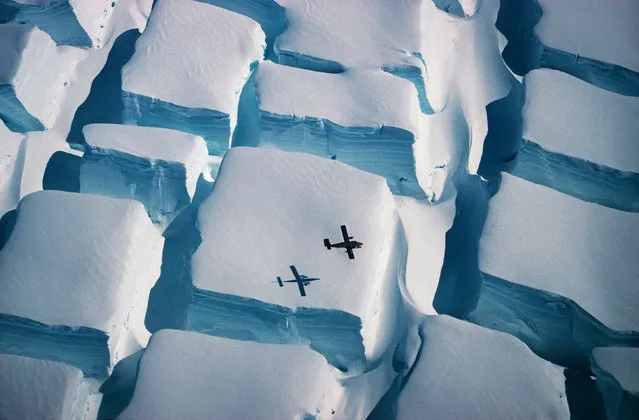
column 348, row 243
column 301, row 280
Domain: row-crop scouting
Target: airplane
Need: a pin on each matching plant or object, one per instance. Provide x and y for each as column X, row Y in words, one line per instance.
column 301, row 280
column 348, row 243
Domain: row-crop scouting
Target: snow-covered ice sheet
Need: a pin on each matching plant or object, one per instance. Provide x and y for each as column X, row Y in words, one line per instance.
column 195, row 376
column 77, row 23
column 76, row 276
column 365, row 118
column 551, row 242
column 601, row 30
column 41, row 389
column 12, row 152
column 566, row 115
column 189, row 68
column 425, row 227
column 34, row 75
column 273, row 209
column 465, row 371
column 156, row 166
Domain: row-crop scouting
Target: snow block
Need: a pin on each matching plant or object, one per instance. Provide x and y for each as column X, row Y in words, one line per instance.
column 205, row 54
column 367, row 119
column 156, row 166
column 468, row 372
column 68, row 22
column 190, row 375
column 76, row 276
column 38, row 389
column 617, row 372
column 332, row 36
column 274, row 209
column 581, row 140
column 559, row 273
column 33, row 78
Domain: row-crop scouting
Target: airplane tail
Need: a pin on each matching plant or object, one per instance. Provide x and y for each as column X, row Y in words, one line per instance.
column 327, row 243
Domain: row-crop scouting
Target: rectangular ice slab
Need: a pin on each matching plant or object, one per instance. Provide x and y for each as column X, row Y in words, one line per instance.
column 270, row 210
column 604, row 31
column 189, row 68
column 469, row 372
column 333, row 35
column 194, row 376
column 566, row 115
column 76, row 276
column 12, row 154
column 366, row 118
column 553, row 243
column 156, row 166
column 79, row 23
column 617, row 372
column 33, row 77
column 41, row 389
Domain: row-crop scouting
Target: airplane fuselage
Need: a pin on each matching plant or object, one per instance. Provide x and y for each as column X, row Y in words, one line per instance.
column 349, row 244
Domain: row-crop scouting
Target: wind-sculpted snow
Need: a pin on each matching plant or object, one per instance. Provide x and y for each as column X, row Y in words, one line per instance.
column 69, row 22
column 33, row 77
column 464, row 371
column 348, row 315
column 39, row 389
column 189, row 68
column 192, row 376
column 367, row 119
column 156, row 166
column 617, row 372
column 321, row 36
column 76, row 275
column 594, row 41
column 562, row 268
column 581, row 140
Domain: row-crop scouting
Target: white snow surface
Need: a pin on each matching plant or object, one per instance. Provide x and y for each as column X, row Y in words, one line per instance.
column 541, row 238
column 152, row 143
column 272, row 209
column 465, row 73
column 469, row 372
column 622, row 363
column 603, row 30
column 194, row 55
column 348, row 32
column 80, row 260
column 41, row 389
column 36, row 69
column 355, row 98
column 566, row 115
column 194, row 376
column 425, row 227
column 12, row 150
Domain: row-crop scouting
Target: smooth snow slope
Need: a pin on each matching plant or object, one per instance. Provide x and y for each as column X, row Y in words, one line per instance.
column 468, row 372
column 270, row 210
column 566, row 115
column 194, row 376
column 549, row 241
column 40, row 389
column 190, row 66
column 601, row 30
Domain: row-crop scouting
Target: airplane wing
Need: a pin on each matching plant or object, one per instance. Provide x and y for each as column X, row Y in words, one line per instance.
column 349, row 251
column 345, row 233
column 295, row 273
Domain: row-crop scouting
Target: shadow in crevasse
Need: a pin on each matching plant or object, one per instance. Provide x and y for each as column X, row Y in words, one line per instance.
column 104, row 103
column 170, row 297
column 62, row 172
column 584, row 399
column 118, row 389
column 7, row 223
